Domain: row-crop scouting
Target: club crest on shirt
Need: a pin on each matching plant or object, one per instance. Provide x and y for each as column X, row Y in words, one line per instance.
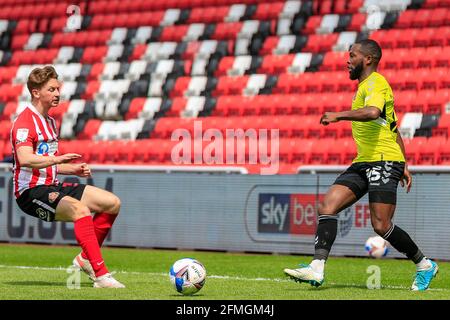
column 42, row 214
column 52, row 196
column 22, row 134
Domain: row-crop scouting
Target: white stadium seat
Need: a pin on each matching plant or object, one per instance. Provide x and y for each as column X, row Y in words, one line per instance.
column 193, row 106
column 254, row 84
column 410, row 122
column 150, row 54
column 115, row 51
column 142, row 34
column 199, row 67
column 328, row 24
column 137, row 68
column 64, row 55
column 170, row 17
column 285, row 44
column 236, row 12
column 290, row 9
column 284, row 26
column 240, row 65
column 68, row 90
column 110, row 70
column 249, row 28
column 34, row 41
column 196, row 86
column 194, row 32
column 118, row 36
column 151, row 106
column 166, row 50
column 345, row 40
column 207, row 48
column 164, row 67
column 301, row 61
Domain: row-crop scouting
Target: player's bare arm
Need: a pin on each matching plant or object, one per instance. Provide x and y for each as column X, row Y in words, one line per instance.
column 407, row 177
column 364, row 114
column 77, row 169
column 27, row 158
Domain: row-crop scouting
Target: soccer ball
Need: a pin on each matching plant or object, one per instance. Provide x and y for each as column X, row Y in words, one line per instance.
column 376, row 247
column 188, row 276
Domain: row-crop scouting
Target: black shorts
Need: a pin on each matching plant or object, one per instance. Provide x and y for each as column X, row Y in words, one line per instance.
column 41, row 201
column 379, row 178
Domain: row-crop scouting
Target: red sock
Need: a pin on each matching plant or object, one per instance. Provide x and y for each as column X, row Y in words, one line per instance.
column 102, row 223
column 85, row 235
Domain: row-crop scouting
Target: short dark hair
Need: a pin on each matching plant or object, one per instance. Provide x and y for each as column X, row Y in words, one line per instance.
column 371, row 47
column 39, row 77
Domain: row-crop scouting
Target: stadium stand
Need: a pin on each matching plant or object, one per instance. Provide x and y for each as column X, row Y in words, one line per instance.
column 133, row 71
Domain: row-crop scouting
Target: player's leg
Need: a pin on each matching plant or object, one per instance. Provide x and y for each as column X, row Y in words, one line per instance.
column 99, row 200
column 71, row 209
column 106, row 207
column 382, row 203
column 347, row 189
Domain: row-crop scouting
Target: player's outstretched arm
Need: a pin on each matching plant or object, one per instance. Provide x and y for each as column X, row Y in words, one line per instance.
column 78, row 169
column 27, row 158
column 364, row 114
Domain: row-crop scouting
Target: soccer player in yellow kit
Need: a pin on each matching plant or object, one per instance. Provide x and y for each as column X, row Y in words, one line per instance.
column 378, row 168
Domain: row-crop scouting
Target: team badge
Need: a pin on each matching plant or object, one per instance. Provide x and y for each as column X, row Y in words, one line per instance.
column 52, row 196
column 22, row 135
column 42, row 214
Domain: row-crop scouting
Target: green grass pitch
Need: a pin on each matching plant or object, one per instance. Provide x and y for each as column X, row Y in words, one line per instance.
column 39, row 272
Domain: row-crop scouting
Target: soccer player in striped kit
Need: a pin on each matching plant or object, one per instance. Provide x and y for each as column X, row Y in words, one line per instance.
column 38, row 193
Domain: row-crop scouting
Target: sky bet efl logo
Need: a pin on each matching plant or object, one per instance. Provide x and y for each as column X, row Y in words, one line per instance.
column 287, row 213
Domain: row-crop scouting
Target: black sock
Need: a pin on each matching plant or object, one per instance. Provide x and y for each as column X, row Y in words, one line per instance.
column 401, row 241
column 325, row 236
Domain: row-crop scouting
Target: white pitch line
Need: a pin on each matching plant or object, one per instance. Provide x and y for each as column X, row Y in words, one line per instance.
column 212, row 276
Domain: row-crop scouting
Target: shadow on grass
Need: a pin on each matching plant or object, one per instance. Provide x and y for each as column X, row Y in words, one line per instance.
column 182, row 296
column 43, row 284
column 326, row 287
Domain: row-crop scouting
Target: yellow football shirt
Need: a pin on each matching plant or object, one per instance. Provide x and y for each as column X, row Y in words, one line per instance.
column 376, row 140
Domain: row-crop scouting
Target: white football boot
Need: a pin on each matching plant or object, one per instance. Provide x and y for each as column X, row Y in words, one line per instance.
column 305, row 274
column 107, row 281
column 83, row 264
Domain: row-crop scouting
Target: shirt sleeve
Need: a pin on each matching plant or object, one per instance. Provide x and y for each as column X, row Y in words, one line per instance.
column 375, row 95
column 23, row 135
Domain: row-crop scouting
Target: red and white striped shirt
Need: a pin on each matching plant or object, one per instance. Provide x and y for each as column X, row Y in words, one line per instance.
column 33, row 130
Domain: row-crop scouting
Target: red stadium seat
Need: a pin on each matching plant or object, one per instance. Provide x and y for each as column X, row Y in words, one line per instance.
column 225, row 64
column 429, row 152
column 270, row 43
column 90, row 129
column 226, row 31
column 136, row 106
column 173, row 33
column 301, row 154
column 312, row 24
column 268, row 11
column 444, row 154
column 358, row 20
column 273, row 64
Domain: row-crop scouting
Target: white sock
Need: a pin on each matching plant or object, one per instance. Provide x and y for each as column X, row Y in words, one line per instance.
column 424, row 264
column 318, row 265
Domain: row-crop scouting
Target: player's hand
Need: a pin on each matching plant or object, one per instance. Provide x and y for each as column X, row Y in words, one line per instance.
column 328, row 117
column 82, row 170
column 68, row 157
column 406, row 179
